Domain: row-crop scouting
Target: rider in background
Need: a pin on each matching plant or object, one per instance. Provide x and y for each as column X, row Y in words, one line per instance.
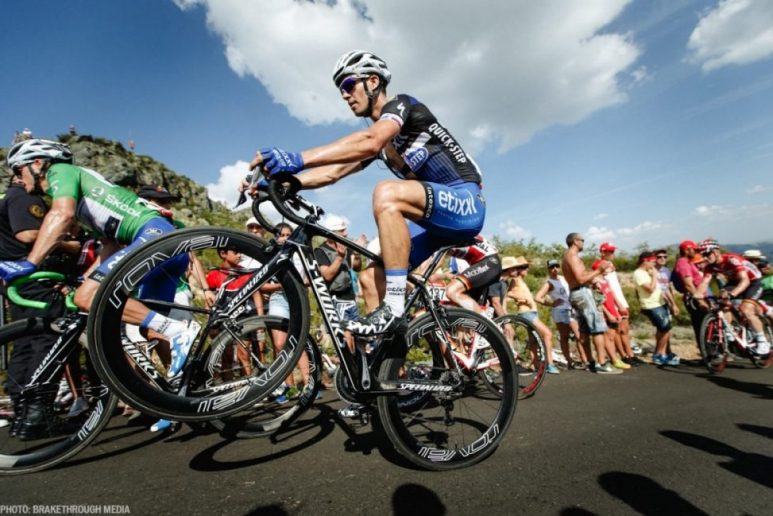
column 118, row 216
column 438, row 189
column 744, row 284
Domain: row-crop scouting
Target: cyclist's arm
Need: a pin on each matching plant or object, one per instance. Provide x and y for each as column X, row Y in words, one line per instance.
column 742, row 285
column 327, row 175
column 353, row 148
column 55, row 226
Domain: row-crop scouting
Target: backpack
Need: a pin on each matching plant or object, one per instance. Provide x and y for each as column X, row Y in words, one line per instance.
column 676, row 280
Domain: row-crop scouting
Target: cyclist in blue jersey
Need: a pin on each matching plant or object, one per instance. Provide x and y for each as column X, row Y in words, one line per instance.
column 438, row 189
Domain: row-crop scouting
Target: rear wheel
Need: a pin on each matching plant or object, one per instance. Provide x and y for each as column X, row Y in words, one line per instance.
column 73, row 413
column 242, row 355
column 453, row 420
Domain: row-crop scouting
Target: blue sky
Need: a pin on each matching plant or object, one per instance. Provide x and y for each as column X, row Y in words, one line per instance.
column 628, row 121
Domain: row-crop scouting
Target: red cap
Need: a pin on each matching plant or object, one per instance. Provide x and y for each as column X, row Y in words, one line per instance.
column 597, row 264
column 687, row 244
column 606, row 247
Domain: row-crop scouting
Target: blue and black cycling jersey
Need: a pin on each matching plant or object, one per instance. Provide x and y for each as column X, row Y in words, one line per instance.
column 425, row 150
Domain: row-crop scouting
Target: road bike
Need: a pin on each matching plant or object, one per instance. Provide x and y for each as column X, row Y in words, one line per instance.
column 437, row 415
column 721, row 335
column 75, row 409
column 529, row 351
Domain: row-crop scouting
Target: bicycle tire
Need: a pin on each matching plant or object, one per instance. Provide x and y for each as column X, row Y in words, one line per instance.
column 267, row 417
column 441, row 433
column 710, row 343
column 529, row 352
column 20, row 457
column 146, row 389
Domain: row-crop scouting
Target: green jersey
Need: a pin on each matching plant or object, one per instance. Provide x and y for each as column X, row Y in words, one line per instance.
column 108, row 209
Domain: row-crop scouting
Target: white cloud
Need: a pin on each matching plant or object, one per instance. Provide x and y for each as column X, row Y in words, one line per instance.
column 599, row 234
column 734, row 32
column 644, row 227
column 513, row 230
column 626, row 236
column 735, row 213
column 224, row 189
column 600, row 216
column 760, row 189
column 494, row 74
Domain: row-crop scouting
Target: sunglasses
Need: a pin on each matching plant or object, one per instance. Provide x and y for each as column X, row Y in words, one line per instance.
column 348, row 84
column 662, row 256
column 554, row 267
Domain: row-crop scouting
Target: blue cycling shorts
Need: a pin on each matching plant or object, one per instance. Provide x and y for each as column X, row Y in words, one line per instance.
column 161, row 282
column 454, row 213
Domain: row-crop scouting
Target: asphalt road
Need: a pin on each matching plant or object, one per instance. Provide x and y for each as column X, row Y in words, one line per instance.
column 650, row 441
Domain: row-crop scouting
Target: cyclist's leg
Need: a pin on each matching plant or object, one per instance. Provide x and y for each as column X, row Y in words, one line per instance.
column 159, row 284
column 471, row 284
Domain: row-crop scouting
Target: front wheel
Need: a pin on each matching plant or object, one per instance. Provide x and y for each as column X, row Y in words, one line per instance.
column 75, row 412
column 143, row 277
column 529, row 352
column 458, row 421
column 712, row 343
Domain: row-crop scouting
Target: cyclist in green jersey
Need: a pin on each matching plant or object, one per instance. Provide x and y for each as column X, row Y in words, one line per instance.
column 115, row 213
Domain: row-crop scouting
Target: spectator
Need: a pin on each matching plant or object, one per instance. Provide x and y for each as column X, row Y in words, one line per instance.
column 607, row 251
column 26, row 134
column 664, row 280
column 21, row 215
column 608, row 306
column 253, row 226
column 687, row 280
column 753, row 255
column 278, row 306
column 72, row 130
column 519, row 292
column 653, row 305
column 561, row 312
column 581, row 297
column 335, row 263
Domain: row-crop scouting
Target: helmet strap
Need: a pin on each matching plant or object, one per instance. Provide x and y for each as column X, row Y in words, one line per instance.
column 371, row 94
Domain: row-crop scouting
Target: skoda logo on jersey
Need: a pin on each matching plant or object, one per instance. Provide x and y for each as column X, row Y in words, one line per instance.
column 97, row 191
column 458, row 205
column 416, row 158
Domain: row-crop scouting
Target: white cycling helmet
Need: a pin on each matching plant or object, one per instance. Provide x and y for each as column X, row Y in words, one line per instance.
column 28, row 151
column 707, row 246
column 361, row 63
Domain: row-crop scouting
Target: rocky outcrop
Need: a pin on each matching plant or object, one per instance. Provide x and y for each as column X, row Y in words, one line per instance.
column 125, row 168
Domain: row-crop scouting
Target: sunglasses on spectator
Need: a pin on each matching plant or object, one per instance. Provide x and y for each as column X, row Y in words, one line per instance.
column 554, row 267
column 348, row 84
column 662, row 256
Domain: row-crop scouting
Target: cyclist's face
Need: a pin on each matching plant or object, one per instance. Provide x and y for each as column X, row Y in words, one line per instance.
column 353, row 92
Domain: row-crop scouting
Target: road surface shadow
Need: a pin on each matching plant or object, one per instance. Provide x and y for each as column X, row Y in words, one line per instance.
column 644, row 495
column 752, row 466
column 113, row 453
column 410, row 499
column 759, row 390
column 268, row 510
column 764, row 431
column 205, row 460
